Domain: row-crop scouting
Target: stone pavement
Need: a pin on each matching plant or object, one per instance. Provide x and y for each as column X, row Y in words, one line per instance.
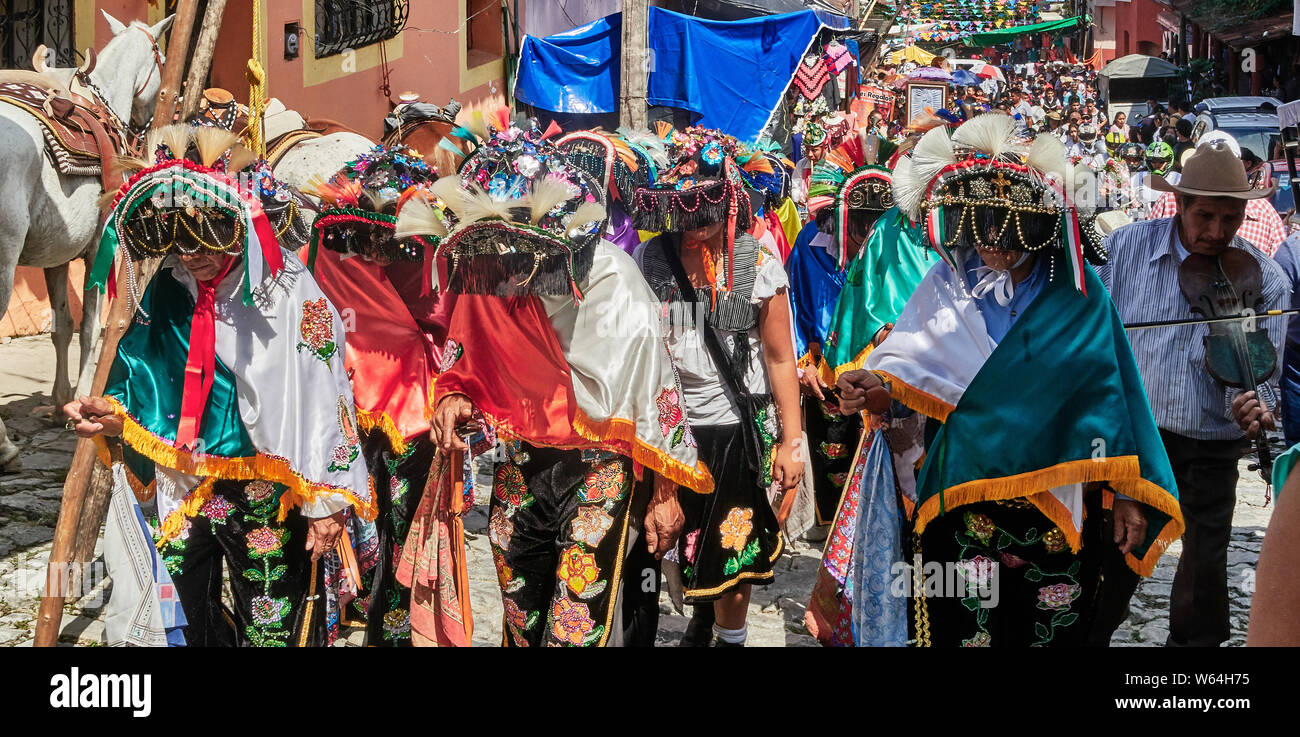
column 29, row 508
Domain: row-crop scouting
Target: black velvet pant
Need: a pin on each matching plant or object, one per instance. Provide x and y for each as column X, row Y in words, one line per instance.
column 1206, row 474
column 1029, row 589
column 833, row 437
column 399, row 482
column 558, row 528
column 277, row 589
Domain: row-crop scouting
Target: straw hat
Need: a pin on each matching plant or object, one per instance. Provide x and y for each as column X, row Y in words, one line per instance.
column 1213, row 171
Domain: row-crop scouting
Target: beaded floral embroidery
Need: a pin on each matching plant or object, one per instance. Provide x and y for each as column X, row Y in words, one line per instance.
column 571, row 623
column 590, row 525
column 317, row 329
column 672, row 420
column 346, row 452
column 451, row 352
column 578, row 571
column 603, row 483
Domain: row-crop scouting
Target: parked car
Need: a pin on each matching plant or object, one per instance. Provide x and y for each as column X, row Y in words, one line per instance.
column 1253, row 122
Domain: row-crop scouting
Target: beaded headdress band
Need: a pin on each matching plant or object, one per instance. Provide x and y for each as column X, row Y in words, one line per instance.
column 850, row 181
column 518, row 219
column 362, row 202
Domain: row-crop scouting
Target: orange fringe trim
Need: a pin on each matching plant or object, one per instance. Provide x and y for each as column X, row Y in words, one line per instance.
column 190, row 506
column 858, row 362
column 623, row 433
column 142, row 492
column 1121, row 473
column 817, row 363
column 917, row 400
column 260, row 466
column 370, row 421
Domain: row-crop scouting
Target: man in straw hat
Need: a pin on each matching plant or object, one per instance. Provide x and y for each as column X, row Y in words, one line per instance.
column 1204, row 425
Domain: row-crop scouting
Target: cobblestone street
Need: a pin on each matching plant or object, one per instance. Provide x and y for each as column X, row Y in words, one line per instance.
column 29, row 504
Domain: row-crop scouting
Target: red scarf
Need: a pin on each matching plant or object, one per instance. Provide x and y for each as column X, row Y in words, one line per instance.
column 201, row 363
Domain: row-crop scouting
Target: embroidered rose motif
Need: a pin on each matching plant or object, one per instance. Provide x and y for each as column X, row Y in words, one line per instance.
column 1012, row 561
column 264, row 541
column 837, row 479
column 269, row 610
column 577, row 569
column 1054, row 540
column 504, row 571
column 605, row 482
column 509, row 485
column 518, row 620
column 216, row 509
column 590, row 525
column 451, row 352
column 571, row 621
column 690, row 545
column 397, row 488
column 670, row 410
column 317, row 329
column 978, row 572
column 500, row 528
column 981, row 639
column 833, row 450
column 980, row 527
column 1058, row 595
column 259, row 491
column 397, row 623
column 736, row 527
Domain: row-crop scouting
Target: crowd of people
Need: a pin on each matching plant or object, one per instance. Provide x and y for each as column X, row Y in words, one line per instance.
column 905, row 343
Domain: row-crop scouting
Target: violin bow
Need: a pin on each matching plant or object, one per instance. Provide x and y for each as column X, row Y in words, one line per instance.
column 1204, row 320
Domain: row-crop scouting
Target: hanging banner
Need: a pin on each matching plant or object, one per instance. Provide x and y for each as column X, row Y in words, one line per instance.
column 878, row 99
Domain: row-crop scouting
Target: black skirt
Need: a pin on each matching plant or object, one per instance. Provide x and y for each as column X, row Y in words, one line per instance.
column 731, row 537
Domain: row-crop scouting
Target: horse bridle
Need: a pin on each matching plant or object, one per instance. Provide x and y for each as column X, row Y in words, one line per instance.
column 134, row 137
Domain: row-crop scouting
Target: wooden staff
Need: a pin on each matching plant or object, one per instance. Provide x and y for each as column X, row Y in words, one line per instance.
column 57, row 578
column 202, row 61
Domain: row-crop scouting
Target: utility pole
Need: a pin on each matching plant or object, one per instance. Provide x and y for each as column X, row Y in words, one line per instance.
column 635, row 79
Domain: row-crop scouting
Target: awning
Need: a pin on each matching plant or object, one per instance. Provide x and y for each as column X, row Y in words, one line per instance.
column 1006, row 35
column 1139, row 66
column 573, row 72
column 910, row 53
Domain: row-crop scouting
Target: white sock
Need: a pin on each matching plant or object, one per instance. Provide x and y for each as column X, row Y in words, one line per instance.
column 731, row 637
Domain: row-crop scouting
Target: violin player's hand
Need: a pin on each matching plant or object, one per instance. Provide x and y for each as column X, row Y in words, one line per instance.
column 1251, row 414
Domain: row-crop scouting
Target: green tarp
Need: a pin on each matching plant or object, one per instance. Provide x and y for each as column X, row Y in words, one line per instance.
column 1005, row 35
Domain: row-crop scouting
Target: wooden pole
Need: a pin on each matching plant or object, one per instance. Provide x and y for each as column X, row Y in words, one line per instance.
column 62, row 550
column 635, row 81
column 201, row 62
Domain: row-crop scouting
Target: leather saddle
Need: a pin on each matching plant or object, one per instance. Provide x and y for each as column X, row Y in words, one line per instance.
column 80, row 134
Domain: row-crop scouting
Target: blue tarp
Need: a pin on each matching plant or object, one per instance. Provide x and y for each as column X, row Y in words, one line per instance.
column 731, row 73
column 577, row 71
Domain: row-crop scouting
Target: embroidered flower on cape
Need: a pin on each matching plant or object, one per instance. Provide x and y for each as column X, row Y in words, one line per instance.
column 1054, row 540
column 317, row 329
column 978, row 572
column 690, row 551
column 736, row 527
column 259, row 491
column 672, row 421
column 980, row 639
column 451, row 352
column 268, row 610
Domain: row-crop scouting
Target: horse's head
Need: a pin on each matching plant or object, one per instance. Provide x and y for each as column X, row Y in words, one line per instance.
column 138, row 58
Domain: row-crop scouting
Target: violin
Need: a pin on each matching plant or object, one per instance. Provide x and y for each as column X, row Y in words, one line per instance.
column 1238, row 352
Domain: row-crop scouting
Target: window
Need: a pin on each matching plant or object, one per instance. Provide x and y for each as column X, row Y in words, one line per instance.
column 26, row 24
column 351, row 24
column 484, row 36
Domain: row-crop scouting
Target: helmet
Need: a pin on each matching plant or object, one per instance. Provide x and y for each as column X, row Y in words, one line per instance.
column 1132, row 151
column 1159, row 157
column 1088, row 132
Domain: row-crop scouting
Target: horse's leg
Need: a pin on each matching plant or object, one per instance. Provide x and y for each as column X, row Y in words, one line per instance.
column 91, row 299
column 56, row 283
column 9, row 462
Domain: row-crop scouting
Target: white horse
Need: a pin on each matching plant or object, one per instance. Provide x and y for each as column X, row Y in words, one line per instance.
column 314, row 158
column 47, row 219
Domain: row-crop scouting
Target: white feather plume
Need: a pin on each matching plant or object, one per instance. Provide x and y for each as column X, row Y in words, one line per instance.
column 908, row 188
column 1047, row 155
column 476, row 205
column 993, row 133
column 932, row 153
column 546, row 194
column 649, row 142
column 588, row 212
column 419, row 217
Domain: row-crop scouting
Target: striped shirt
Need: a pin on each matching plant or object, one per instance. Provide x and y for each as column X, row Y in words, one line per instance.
column 1142, row 277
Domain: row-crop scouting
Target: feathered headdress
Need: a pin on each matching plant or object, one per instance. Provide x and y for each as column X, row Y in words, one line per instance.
column 986, row 186
column 518, row 219
column 849, row 178
column 203, row 192
column 704, row 185
column 362, row 202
